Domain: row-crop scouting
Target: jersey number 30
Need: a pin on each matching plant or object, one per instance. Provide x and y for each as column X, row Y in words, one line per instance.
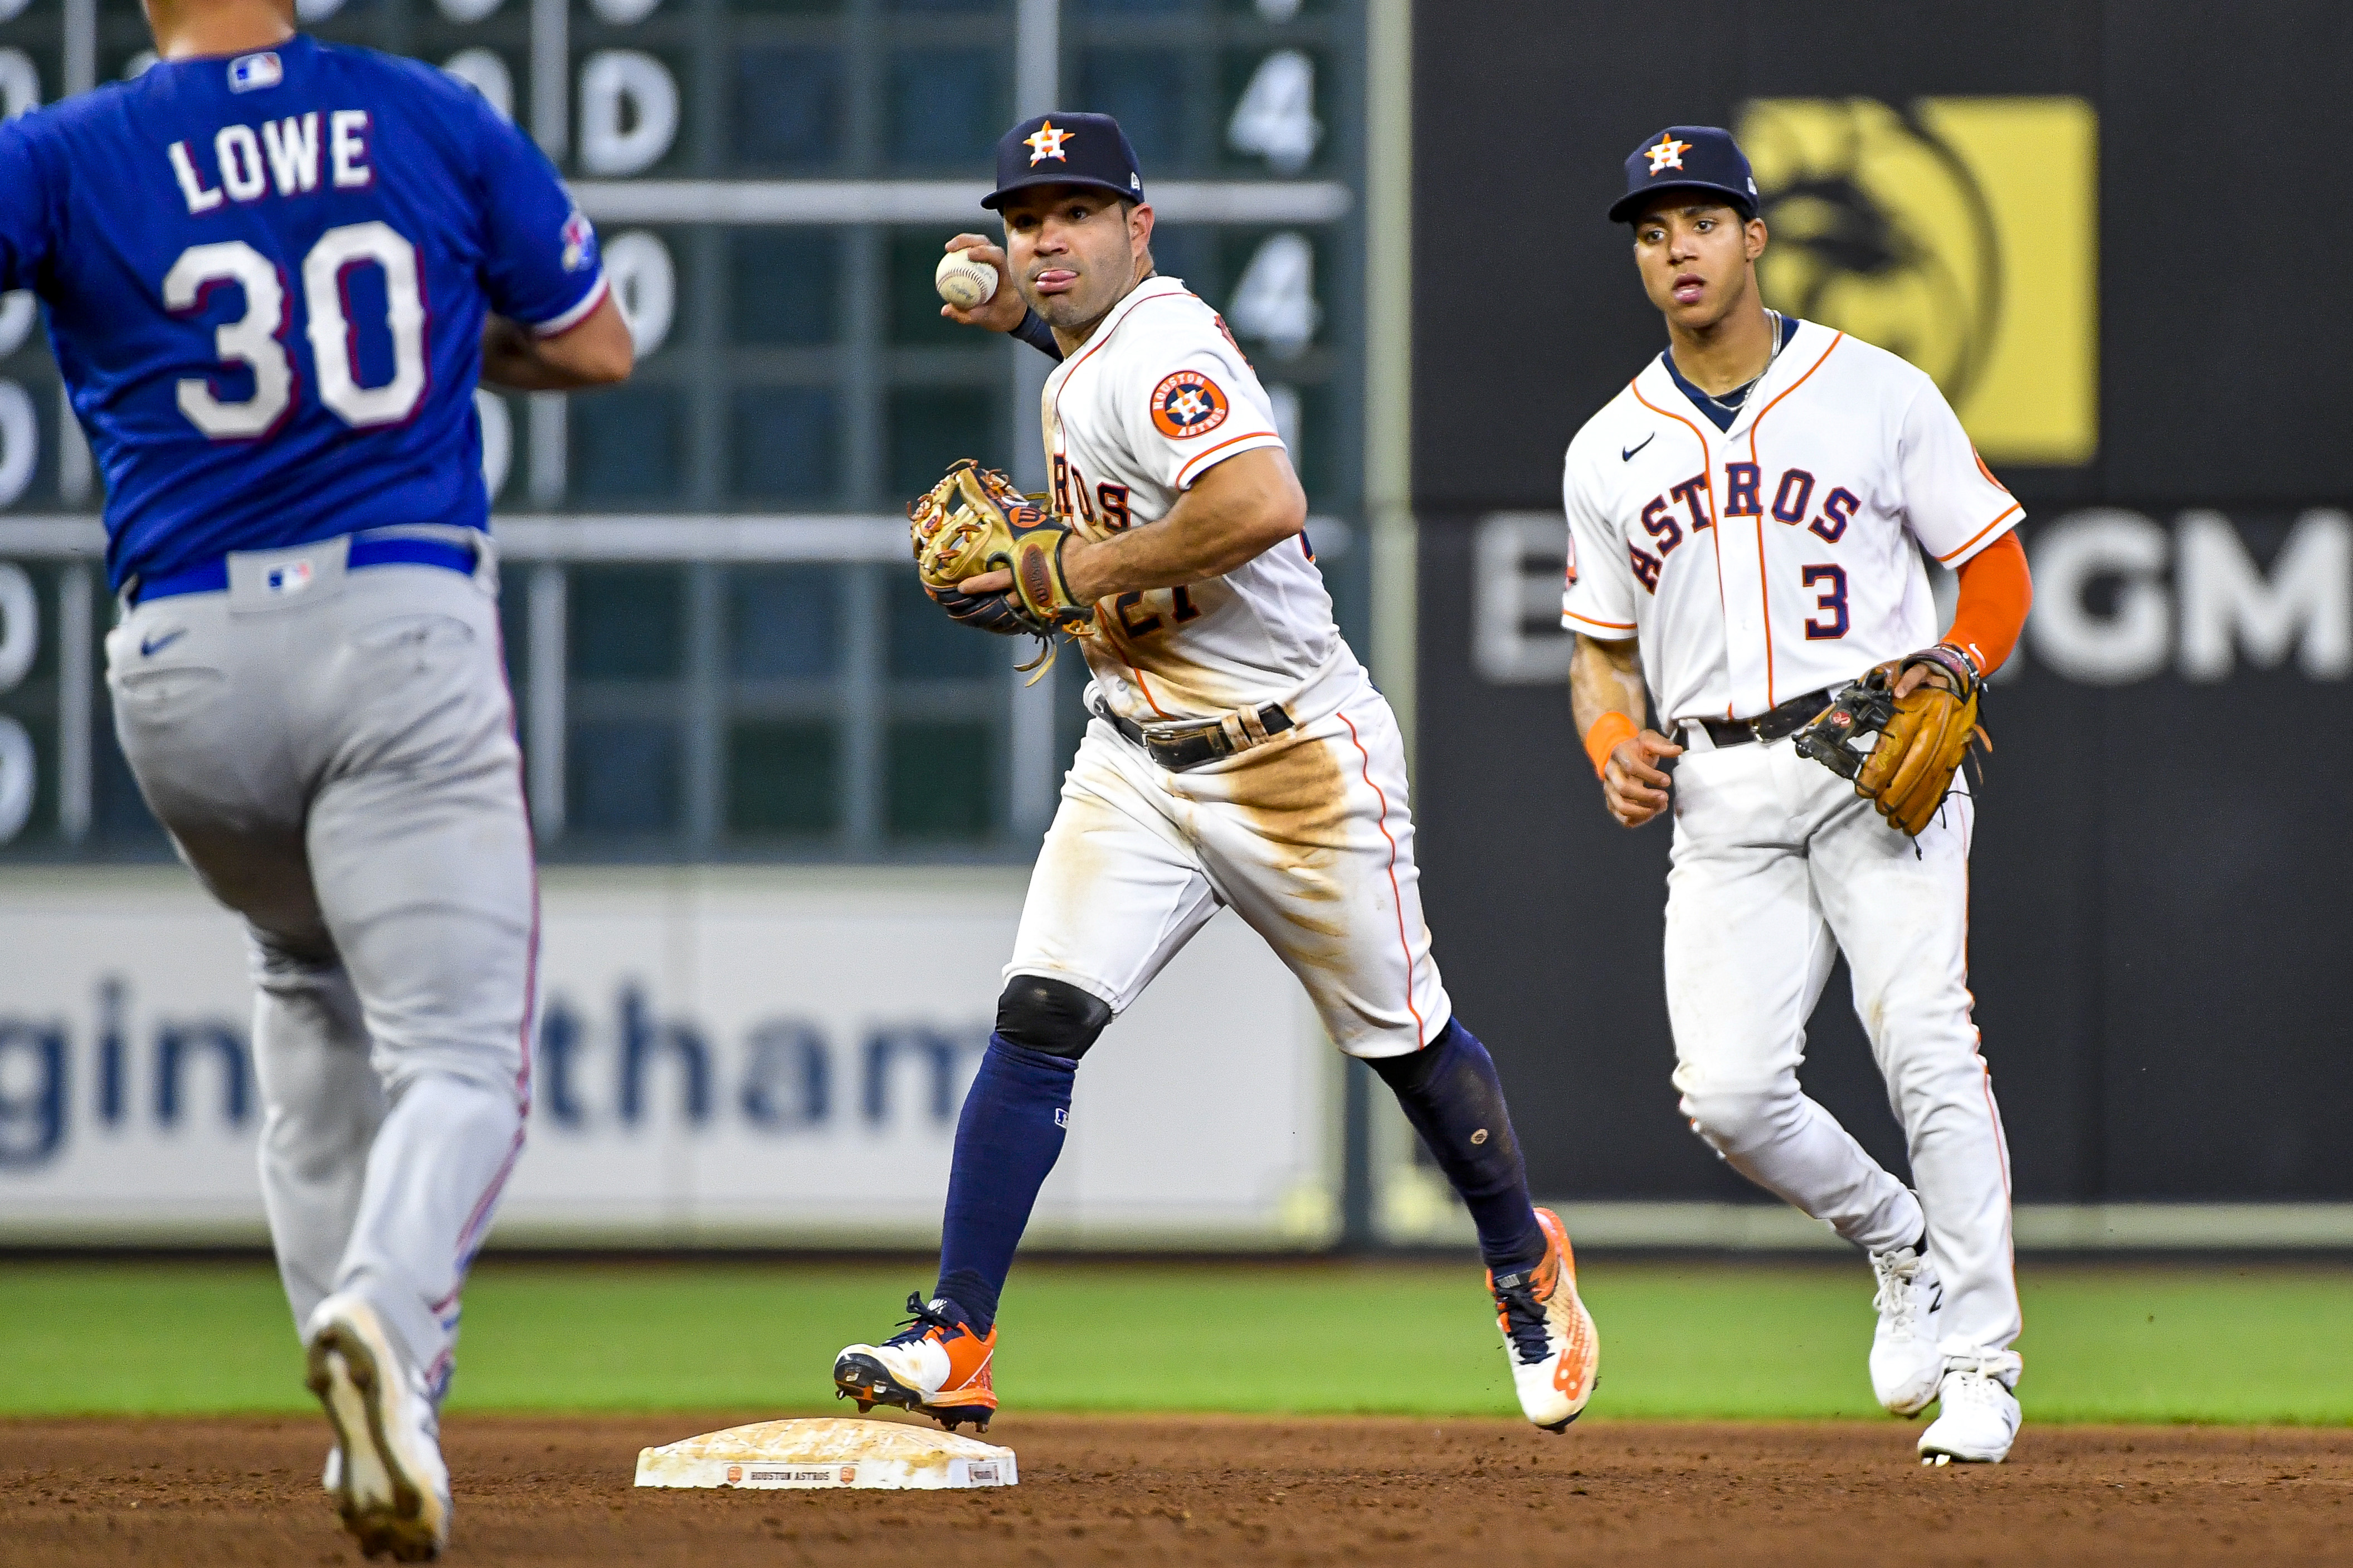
column 253, row 339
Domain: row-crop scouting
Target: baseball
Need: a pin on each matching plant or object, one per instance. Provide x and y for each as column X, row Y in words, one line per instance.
column 963, row 282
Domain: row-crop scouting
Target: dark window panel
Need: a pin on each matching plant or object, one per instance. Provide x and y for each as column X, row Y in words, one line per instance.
column 627, row 623
column 787, row 444
column 1139, row 8
column 938, row 7
column 1145, row 89
column 780, row 778
column 915, row 319
column 948, row 107
column 784, row 286
column 627, row 445
column 931, row 428
column 787, row 7
column 942, row 780
column 927, row 645
column 1190, row 254
column 788, row 106
column 781, row 621
column 624, row 777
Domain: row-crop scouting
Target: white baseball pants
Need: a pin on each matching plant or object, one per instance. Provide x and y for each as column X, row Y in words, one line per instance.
column 338, row 765
column 1308, row 837
column 1777, row 868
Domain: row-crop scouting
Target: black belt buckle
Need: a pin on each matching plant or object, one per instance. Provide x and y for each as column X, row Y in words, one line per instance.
column 1196, row 745
column 1770, row 725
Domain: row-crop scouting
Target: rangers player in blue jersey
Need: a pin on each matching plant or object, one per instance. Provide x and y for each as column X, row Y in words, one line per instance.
column 274, row 272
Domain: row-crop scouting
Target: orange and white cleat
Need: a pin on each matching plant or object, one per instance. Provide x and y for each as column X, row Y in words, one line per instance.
column 1548, row 1335
column 936, row 1366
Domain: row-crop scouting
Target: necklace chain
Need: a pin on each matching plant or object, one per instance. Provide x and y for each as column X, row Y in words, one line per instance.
column 1731, row 401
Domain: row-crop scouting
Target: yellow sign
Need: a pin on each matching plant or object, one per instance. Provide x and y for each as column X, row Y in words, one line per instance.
column 1961, row 233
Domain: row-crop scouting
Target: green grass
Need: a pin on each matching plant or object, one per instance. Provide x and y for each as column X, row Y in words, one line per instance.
column 2208, row 1344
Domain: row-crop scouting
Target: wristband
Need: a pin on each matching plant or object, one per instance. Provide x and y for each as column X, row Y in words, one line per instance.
column 1607, row 731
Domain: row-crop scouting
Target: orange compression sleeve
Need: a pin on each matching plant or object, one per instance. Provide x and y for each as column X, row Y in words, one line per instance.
column 1603, row 738
column 1996, row 593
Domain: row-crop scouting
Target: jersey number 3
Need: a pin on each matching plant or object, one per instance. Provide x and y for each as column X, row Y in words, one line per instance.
column 253, row 340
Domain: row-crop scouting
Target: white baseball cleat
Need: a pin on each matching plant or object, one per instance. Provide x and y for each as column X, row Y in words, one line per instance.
column 1980, row 1415
column 385, row 1474
column 1905, row 1365
column 1549, row 1336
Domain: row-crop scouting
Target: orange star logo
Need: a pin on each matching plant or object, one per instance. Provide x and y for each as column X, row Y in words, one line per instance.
column 1047, row 142
column 1667, row 154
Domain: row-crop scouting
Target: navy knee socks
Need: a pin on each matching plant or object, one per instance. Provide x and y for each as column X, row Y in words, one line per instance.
column 1450, row 1092
column 1007, row 1142
column 1011, row 1133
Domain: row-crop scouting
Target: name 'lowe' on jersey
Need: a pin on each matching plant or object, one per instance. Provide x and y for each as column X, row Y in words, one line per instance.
column 270, row 325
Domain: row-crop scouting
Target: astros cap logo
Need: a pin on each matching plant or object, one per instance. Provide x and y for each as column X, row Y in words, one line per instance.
column 1047, row 142
column 1667, row 154
column 1187, row 403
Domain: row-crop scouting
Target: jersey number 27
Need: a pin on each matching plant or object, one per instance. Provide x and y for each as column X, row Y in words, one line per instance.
column 252, row 340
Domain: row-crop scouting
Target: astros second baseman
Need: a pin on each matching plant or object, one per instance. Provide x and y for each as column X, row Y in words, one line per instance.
column 1747, row 521
column 1239, row 757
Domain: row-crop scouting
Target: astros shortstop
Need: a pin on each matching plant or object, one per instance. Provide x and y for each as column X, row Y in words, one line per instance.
column 1746, row 517
column 1239, row 757
column 274, row 270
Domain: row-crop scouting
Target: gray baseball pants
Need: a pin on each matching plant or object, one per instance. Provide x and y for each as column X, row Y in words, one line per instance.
column 333, row 752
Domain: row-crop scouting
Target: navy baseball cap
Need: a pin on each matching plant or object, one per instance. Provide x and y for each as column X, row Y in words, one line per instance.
column 1687, row 157
column 1066, row 150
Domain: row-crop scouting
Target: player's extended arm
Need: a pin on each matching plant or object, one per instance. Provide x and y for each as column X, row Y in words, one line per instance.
column 1234, row 514
column 597, row 352
column 1605, row 695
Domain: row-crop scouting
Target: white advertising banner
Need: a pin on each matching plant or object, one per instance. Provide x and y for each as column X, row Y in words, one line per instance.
column 725, row 1055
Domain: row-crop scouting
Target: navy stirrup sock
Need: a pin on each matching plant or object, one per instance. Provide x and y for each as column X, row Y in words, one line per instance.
column 1450, row 1092
column 1007, row 1142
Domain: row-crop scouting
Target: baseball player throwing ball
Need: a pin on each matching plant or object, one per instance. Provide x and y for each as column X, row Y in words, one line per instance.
column 1239, row 757
column 237, row 251
column 1746, row 522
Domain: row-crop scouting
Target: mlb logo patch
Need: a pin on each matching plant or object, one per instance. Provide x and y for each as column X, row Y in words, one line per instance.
column 579, row 242
column 250, row 73
column 290, row 578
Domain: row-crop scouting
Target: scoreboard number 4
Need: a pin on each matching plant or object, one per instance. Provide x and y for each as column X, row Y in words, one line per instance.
column 253, row 339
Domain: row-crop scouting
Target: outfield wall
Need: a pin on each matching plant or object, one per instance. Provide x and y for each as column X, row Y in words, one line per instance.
column 2046, row 204
column 726, row 1056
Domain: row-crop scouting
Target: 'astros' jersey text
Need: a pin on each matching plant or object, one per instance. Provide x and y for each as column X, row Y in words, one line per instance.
column 1154, row 399
column 266, row 278
column 1761, row 562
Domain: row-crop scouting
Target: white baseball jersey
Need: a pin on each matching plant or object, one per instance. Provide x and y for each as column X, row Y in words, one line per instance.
column 1758, row 563
column 1765, row 561
column 1154, row 399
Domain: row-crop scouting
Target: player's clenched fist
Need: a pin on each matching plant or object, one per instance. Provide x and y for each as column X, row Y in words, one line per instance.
column 1002, row 310
column 1633, row 783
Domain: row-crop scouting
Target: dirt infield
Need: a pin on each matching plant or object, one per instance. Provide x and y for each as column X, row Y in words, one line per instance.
column 1193, row 1490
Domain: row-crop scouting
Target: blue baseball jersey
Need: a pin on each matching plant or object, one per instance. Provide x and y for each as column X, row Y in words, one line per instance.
column 266, row 281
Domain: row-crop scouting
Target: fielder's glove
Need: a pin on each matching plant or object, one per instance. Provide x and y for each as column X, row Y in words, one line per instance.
column 973, row 521
column 1922, row 737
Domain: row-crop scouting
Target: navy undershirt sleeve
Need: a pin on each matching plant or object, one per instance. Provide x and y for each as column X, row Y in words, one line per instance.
column 1034, row 332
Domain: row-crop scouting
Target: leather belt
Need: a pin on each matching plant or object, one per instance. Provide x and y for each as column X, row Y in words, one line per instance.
column 366, row 549
column 1770, row 725
column 1180, row 748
